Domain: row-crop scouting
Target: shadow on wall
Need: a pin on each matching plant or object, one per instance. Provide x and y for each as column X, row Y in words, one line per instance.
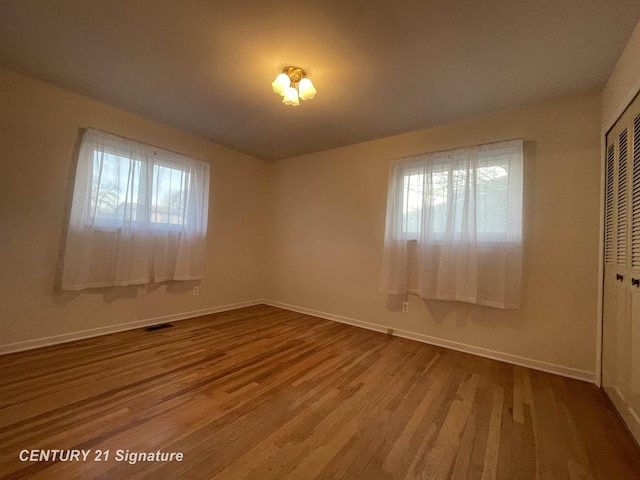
column 466, row 313
column 440, row 310
column 73, row 165
column 111, row 294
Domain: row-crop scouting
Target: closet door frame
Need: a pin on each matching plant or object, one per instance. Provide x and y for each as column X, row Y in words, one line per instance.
column 610, row 124
column 619, row 292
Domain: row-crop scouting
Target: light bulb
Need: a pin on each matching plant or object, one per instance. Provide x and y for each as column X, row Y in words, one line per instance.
column 281, row 83
column 307, row 90
column 291, row 97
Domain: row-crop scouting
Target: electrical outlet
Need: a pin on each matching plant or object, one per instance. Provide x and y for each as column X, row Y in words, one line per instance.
column 196, row 290
column 405, row 307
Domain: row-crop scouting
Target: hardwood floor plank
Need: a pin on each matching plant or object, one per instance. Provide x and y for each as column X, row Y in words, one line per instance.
column 265, row 393
column 490, row 465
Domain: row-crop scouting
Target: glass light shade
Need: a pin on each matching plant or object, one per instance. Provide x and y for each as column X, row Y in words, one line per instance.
column 291, row 97
column 281, row 83
column 307, row 90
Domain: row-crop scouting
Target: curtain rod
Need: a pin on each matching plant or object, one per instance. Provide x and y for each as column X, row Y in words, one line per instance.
column 456, row 148
column 145, row 143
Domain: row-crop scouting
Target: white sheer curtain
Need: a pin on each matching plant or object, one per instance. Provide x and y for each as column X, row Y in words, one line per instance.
column 139, row 214
column 454, row 225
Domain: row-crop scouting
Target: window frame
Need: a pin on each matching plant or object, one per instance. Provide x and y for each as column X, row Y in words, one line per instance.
column 153, row 157
column 495, row 155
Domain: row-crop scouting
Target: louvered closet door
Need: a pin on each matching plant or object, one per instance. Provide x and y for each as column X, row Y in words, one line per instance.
column 616, row 267
column 612, row 284
column 621, row 302
column 634, row 318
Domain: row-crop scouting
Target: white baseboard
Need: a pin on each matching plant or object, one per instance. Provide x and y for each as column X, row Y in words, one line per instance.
column 462, row 347
column 95, row 332
column 562, row 370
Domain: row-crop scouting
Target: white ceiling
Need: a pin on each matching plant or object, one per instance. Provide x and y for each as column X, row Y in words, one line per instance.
column 381, row 67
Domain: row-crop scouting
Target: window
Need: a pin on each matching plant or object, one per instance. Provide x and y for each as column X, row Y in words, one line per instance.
column 119, row 194
column 143, row 207
column 463, row 209
column 449, row 195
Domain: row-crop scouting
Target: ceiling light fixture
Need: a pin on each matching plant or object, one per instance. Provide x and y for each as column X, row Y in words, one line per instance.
column 293, row 84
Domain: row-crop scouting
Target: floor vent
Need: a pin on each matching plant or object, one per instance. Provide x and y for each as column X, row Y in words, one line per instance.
column 158, row 327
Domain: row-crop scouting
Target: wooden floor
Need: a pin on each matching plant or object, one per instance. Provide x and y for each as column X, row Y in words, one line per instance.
column 263, row 393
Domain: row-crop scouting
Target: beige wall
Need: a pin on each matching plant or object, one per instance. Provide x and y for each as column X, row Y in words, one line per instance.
column 328, row 225
column 624, row 82
column 306, row 231
column 39, row 129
